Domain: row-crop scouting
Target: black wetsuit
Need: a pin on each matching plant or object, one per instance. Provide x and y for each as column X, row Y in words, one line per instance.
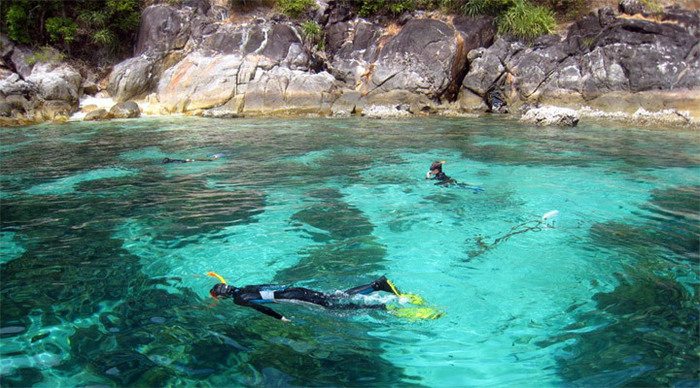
column 443, row 179
column 168, row 160
column 256, row 296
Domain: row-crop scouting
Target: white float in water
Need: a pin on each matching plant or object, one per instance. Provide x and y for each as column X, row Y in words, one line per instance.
column 550, row 214
column 548, row 217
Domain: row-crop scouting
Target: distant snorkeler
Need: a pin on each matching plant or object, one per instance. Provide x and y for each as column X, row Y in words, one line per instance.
column 211, row 158
column 256, row 296
column 435, row 172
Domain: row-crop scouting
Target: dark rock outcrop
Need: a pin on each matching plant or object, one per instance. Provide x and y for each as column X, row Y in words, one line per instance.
column 163, row 28
column 601, row 54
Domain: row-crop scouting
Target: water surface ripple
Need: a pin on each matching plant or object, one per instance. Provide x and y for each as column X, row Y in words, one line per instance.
column 103, row 251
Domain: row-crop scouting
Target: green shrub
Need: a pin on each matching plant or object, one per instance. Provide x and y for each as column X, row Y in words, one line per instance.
column 486, row 7
column 565, row 10
column 312, row 34
column 61, row 29
column 526, row 21
column 80, row 27
column 369, row 8
column 16, row 19
column 295, row 8
column 652, row 6
column 105, row 37
column 45, row 54
column 311, row 30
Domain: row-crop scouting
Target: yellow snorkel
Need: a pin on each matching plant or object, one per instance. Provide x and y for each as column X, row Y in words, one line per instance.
column 216, row 275
column 411, row 298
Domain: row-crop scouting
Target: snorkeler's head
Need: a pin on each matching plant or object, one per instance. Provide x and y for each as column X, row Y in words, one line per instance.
column 437, row 165
column 220, row 290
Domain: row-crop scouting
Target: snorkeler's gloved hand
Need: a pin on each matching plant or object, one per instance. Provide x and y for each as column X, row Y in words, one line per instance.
column 284, row 319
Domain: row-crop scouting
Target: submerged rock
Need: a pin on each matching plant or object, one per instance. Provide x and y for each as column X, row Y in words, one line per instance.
column 97, row 115
column 125, row 110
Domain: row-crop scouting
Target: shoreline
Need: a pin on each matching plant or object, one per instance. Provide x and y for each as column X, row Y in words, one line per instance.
column 668, row 120
column 641, row 119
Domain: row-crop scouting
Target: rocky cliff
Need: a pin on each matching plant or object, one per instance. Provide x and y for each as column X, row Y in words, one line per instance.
column 200, row 59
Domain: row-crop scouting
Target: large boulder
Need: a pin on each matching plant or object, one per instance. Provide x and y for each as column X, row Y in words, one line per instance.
column 425, row 57
column 56, row 81
column 486, row 65
column 200, row 82
column 133, row 78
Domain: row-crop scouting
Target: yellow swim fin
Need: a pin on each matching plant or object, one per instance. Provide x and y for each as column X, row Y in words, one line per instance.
column 415, row 313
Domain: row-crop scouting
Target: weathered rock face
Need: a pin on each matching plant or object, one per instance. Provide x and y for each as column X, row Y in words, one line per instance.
column 200, row 82
column 352, row 45
column 191, row 57
column 163, row 28
column 264, row 66
column 289, row 91
column 602, row 54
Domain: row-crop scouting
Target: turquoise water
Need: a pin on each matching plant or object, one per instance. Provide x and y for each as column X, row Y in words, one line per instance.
column 104, row 252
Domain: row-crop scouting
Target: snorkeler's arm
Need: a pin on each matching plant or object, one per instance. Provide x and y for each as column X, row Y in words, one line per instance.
column 265, row 310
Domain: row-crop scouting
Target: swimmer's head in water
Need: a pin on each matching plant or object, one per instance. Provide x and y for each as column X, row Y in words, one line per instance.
column 437, row 165
column 220, row 290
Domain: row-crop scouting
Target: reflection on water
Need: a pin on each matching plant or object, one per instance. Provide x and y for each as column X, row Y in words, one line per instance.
column 104, row 250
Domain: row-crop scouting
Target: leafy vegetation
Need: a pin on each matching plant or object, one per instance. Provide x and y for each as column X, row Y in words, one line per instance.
column 652, row 6
column 46, row 54
column 295, row 8
column 526, row 21
column 312, row 33
column 81, row 28
column 482, row 7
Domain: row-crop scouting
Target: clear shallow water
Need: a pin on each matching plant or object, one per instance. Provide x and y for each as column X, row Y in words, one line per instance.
column 104, row 251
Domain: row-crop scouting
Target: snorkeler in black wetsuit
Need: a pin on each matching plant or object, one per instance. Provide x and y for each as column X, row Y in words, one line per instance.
column 255, row 296
column 209, row 159
column 436, row 173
